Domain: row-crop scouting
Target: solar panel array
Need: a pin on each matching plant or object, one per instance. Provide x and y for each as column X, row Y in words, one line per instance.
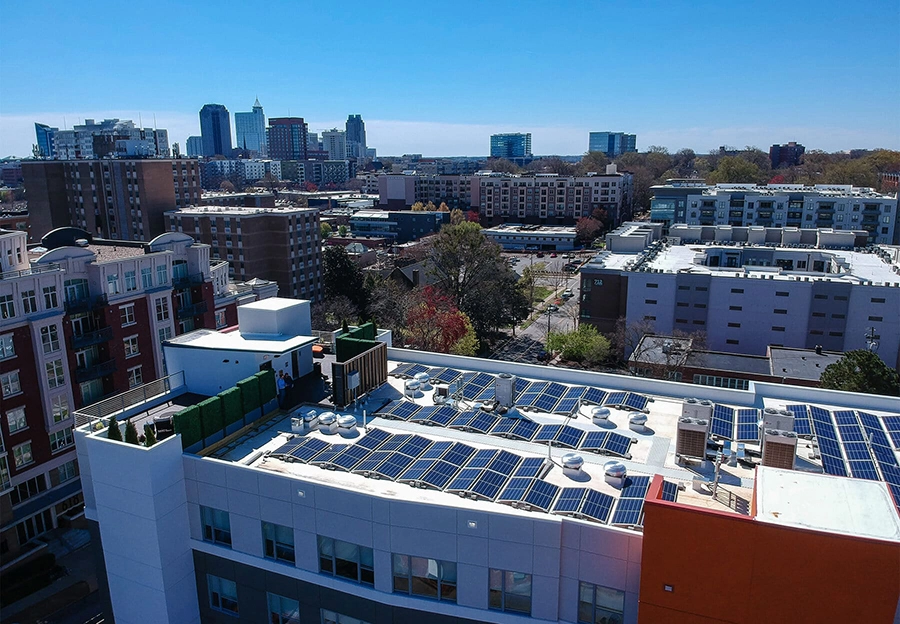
column 630, row 508
column 478, row 421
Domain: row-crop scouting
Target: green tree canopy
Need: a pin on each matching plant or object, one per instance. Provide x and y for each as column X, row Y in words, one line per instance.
column 861, row 371
column 736, row 169
column 585, row 344
column 325, row 230
column 342, row 277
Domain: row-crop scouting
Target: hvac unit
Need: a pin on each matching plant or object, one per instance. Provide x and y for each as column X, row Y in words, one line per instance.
column 505, row 389
column 696, row 408
column 779, row 448
column 691, row 436
column 780, row 420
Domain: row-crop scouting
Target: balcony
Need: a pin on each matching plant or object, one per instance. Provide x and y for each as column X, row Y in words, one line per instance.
column 33, row 270
column 190, row 311
column 85, row 304
column 87, row 339
column 101, row 369
column 187, row 281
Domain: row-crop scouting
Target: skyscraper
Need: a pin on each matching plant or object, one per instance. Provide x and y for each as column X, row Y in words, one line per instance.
column 287, row 138
column 215, row 128
column 250, row 129
column 45, row 136
column 512, row 145
column 194, row 146
column 334, row 142
column 612, row 143
column 356, row 136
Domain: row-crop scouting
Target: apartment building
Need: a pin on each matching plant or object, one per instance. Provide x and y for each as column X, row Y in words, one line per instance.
column 318, row 172
column 108, row 138
column 748, row 288
column 837, row 206
column 287, row 138
column 120, row 199
column 398, row 226
column 80, row 321
column 583, row 500
column 281, row 244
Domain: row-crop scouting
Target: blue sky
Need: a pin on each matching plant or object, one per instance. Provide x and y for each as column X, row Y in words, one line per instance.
column 439, row 78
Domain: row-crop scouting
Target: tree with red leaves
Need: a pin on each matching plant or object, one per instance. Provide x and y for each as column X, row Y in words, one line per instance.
column 433, row 323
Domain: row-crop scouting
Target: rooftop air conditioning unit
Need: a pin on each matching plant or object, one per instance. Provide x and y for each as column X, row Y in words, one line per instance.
column 779, row 448
column 781, row 420
column 505, row 389
column 691, row 436
column 695, row 408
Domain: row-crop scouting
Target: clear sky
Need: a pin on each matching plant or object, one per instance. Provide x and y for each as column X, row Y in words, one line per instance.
column 439, row 77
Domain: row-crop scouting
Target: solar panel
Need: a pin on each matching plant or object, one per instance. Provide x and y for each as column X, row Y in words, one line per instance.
column 489, row 484
column 574, row 392
column 465, row 479
column 528, row 398
column 505, row 462
column 503, row 426
column 395, row 465
column 370, row 463
column 597, row 505
column 546, row 403
column 448, row 376
column 555, row 390
column 521, row 385
column 569, row 501
column 440, row 474
column 618, row 444
column 540, row 387
column 530, row 467
column 417, row 470
column 566, row 406
column 892, row 425
column 636, row 401
column 845, row 417
column 349, row 457
column 628, row 512
column 401, row 370
column 487, row 394
column 863, row 469
column 515, row 490
column 570, row 437
column 547, row 432
column 414, row 446
column 834, row 465
column 436, row 450
column 747, row 425
column 415, row 369
column 669, row 491
column 483, row 380
column 885, row 456
column 482, row 458
column 594, row 440
column 524, row 430
column 442, row 416
column 459, row 454
column 327, row 454
column 635, row 487
column 395, row 442
column 541, row 494
column 594, row 395
column 851, row 433
column 373, row 439
column 309, row 449
column 722, row 423
column 615, row 398
column 873, row 429
column 857, row 450
column 423, row 413
column 483, row 422
column 285, row 449
column 405, row 410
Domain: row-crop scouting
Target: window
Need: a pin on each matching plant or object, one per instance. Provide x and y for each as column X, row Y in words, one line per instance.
column 28, row 489
column 61, row 439
column 60, row 407
column 126, row 314
column 734, row 324
column 346, row 560
column 135, row 377
column 67, row 471
column 836, row 334
column 283, row 610
column 777, row 328
column 7, row 348
column 4, row 473
column 820, row 296
column 652, row 285
column 162, row 309
column 50, row 338
column 699, row 322
column 55, row 377
column 216, row 526
column 15, row 418
column 112, row 284
column 650, row 301
column 22, row 454
column 147, row 278
column 162, row 275
column 509, row 591
column 428, row 578
column 9, row 383
column 838, row 316
column 876, row 318
column 130, row 281
column 840, row 297
column 701, row 288
column 165, row 333
column 737, row 291
column 222, row 594
column 736, row 308
column 732, row 342
column 600, row 604
column 131, row 346
column 684, row 288
column 220, row 319
column 331, row 617
column 779, row 311
column 701, row 306
column 877, row 299
column 7, row 309
column 781, row 293
column 29, row 301
column 278, row 542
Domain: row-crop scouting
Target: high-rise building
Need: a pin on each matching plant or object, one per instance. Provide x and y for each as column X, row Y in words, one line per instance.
column 334, row 142
column 110, row 138
column 511, row 145
column 787, row 155
column 45, row 136
column 612, row 144
column 113, row 198
column 356, row 136
column 194, row 146
column 287, row 138
column 215, row 128
column 250, row 129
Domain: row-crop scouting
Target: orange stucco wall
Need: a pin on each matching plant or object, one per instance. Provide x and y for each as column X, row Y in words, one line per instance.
column 728, row 568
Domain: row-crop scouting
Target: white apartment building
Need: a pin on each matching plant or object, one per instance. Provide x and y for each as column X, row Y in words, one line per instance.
column 334, row 142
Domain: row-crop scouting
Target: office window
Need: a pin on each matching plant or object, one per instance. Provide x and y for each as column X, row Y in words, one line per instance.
column 222, row 594
column 9, row 383
column 147, row 277
column 130, row 281
column 162, row 275
column 836, row 334
column 428, row 578
column 216, row 526
column 55, row 377
column 278, row 542
column 22, row 454
column 283, row 610
column 15, row 419
column 701, row 288
column 838, row 316
column 7, row 348
column 346, row 560
column 684, row 288
column 61, row 439
column 131, row 346
column 67, row 471
column 652, row 285
column 509, row 591
column 135, row 377
column 112, row 284
column 126, row 314
column 162, row 309
column 7, row 308
column 51, row 300
column 840, row 297
column 877, row 299
column 600, row 604
column 50, row 338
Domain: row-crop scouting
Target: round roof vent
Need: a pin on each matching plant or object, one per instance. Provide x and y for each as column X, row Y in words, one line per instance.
column 785, row 413
column 327, row 418
column 637, row 418
column 505, row 376
column 82, row 242
column 771, row 410
column 705, row 402
column 572, row 461
column 600, row 413
column 310, row 416
column 615, row 469
column 421, row 377
column 690, row 400
column 346, row 421
column 412, row 384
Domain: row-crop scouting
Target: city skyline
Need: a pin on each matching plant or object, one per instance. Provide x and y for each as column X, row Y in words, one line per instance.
column 477, row 77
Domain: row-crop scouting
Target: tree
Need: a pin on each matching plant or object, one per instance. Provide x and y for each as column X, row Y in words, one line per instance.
column 586, row 230
column 131, row 434
column 457, row 216
column 226, row 186
column 309, row 187
column 496, row 300
column 430, row 207
column 468, row 344
column 149, row 436
column 388, row 303
column 343, row 230
column 861, row 371
column 584, row 344
column 592, row 161
column 501, row 165
column 443, row 207
column 342, row 277
column 113, row 432
column 434, row 323
column 417, row 207
column 736, row 169
column 325, row 230
column 463, row 254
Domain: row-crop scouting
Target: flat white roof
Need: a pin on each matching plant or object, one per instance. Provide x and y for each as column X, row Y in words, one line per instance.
column 819, row 502
column 234, row 341
column 274, row 303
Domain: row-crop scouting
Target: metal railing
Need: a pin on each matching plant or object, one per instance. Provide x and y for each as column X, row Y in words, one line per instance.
column 190, row 311
column 92, row 337
column 86, row 304
column 95, row 371
column 186, row 281
column 129, row 399
column 33, row 270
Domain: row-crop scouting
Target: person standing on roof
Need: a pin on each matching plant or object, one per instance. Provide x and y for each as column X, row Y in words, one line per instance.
column 281, row 385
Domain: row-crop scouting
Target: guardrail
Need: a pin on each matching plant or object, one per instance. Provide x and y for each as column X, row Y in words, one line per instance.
column 33, row 270
column 95, row 371
column 190, row 311
column 129, row 399
column 186, row 281
column 86, row 304
column 87, row 339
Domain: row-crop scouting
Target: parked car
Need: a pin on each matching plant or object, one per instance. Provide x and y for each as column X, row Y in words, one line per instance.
column 567, row 293
column 553, row 307
column 553, row 255
column 540, row 254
